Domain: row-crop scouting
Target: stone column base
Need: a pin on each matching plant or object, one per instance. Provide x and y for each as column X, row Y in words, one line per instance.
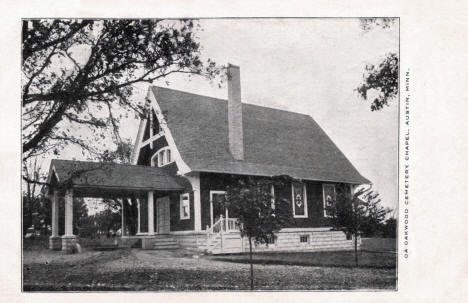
column 55, row 243
column 68, row 244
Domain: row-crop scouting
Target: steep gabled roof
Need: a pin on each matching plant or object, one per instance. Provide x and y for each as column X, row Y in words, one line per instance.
column 276, row 142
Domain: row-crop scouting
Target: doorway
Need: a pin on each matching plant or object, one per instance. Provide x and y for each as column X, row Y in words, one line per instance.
column 163, row 218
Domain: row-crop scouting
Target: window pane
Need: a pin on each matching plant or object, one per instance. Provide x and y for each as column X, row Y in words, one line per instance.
column 184, row 206
column 298, row 196
column 161, row 158
column 168, row 152
column 329, row 196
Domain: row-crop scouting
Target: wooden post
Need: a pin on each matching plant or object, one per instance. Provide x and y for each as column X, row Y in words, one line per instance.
column 68, row 239
column 138, row 206
column 227, row 220
column 123, row 227
column 55, row 241
column 211, row 212
column 150, row 213
column 69, row 212
column 221, row 223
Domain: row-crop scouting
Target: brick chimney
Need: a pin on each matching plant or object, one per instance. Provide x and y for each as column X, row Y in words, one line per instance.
column 236, row 138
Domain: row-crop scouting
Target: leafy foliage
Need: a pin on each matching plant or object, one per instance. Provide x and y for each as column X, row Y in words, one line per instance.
column 389, row 229
column 121, row 154
column 250, row 200
column 382, row 80
column 356, row 213
column 36, row 213
column 260, row 215
column 80, row 73
column 35, row 207
column 370, row 23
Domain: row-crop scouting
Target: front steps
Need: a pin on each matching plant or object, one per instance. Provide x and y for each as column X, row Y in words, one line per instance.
column 159, row 242
column 164, row 242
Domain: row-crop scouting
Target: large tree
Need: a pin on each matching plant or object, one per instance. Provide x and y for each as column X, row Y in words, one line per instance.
column 35, row 206
column 80, row 73
column 260, row 215
column 380, row 81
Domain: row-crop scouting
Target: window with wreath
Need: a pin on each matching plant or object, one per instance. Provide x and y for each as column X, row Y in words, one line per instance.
column 329, row 197
column 299, row 200
column 184, row 206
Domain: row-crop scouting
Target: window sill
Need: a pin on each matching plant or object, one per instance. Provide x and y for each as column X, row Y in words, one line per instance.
column 301, row 217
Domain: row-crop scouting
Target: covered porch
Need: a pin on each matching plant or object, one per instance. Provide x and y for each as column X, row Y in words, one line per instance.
column 142, row 192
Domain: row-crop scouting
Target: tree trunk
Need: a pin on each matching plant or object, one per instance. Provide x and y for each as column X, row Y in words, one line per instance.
column 251, row 265
column 355, row 249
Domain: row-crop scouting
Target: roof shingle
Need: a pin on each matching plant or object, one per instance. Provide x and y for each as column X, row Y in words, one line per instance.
column 276, row 142
column 113, row 175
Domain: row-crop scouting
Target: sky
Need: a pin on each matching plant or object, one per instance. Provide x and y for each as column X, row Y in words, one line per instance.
column 310, row 66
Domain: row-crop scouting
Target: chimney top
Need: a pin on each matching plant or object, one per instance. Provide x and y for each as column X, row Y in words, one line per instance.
column 236, row 138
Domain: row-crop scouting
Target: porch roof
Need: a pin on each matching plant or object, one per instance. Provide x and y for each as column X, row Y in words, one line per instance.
column 104, row 178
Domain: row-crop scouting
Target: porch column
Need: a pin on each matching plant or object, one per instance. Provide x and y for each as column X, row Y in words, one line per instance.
column 194, row 180
column 55, row 242
column 138, row 207
column 68, row 239
column 123, row 227
column 150, row 213
column 69, row 212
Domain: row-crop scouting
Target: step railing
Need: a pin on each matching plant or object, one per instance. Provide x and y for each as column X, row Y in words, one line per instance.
column 214, row 234
column 224, row 225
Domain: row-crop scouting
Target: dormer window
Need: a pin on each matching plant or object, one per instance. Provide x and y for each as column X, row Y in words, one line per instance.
column 162, row 157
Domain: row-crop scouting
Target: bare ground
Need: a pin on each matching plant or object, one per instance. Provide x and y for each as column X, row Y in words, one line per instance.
column 134, row 269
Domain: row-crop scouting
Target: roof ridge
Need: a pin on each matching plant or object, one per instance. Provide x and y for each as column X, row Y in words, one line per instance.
column 103, row 162
column 225, row 100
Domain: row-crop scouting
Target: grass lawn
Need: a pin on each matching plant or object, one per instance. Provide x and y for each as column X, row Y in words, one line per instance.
column 135, row 269
column 379, row 244
column 319, row 259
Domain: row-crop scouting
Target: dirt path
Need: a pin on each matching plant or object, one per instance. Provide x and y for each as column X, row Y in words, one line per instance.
column 138, row 259
column 134, row 269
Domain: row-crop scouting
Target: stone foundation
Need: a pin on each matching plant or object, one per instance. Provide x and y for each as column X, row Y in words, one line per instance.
column 286, row 240
column 55, row 243
column 68, row 244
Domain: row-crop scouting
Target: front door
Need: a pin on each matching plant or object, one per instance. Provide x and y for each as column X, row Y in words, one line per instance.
column 162, row 209
column 217, row 209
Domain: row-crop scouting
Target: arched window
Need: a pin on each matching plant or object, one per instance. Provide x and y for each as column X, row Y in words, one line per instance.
column 162, row 157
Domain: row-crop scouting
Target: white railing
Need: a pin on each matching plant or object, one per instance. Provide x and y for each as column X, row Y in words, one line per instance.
column 224, row 236
column 224, row 225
